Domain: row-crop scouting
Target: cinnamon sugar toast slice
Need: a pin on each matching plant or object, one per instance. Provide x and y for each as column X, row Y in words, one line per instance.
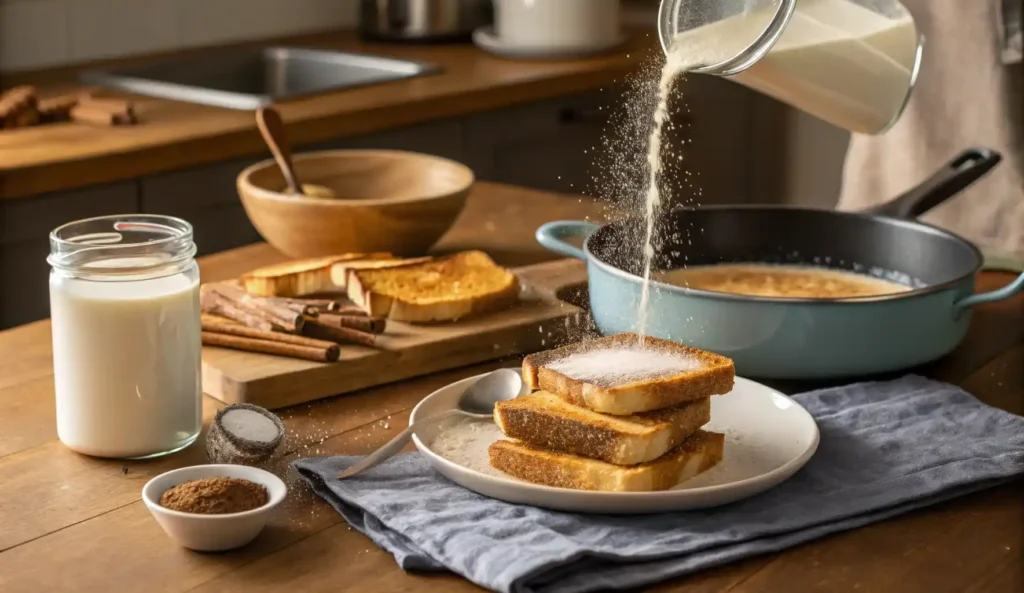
column 621, row 376
column 549, row 422
column 340, row 271
column 697, row 454
column 443, row 289
column 301, row 277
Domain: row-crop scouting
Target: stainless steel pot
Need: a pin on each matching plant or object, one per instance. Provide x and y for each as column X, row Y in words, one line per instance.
column 423, row 20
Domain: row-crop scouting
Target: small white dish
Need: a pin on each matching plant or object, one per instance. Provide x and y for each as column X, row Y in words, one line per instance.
column 768, row 438
column 486, row 39
column 212, row 533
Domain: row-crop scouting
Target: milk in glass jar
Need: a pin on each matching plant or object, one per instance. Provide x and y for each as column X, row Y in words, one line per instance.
column 124, row 303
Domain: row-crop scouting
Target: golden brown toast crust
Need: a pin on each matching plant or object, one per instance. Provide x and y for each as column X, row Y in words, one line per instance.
column 299, row 277
column 545, row 420
column 340, row 271
column 697, row 454
column 714, row 377
column 445, row 289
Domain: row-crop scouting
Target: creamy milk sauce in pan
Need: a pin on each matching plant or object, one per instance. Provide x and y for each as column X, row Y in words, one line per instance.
column 780, row 281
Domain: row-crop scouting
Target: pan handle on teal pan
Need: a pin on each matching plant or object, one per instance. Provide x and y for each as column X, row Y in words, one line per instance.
column 1000, row 294
column 553, row 234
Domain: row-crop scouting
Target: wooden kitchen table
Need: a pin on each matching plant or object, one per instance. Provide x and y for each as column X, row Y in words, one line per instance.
column 73, row 523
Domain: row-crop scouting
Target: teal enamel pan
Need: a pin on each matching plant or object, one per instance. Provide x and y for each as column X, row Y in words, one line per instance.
column 789, row 338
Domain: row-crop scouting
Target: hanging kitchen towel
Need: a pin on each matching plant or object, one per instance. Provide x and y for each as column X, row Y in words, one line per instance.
column 1011, row 30
column 886, row 448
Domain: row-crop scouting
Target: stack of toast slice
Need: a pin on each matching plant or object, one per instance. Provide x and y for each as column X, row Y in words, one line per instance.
column 615, row 414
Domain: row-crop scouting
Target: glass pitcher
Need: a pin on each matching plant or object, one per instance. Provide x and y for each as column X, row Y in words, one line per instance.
column 852, row 63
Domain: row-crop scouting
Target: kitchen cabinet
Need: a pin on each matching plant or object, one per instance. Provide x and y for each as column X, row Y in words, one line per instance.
column 544, row 145
column 442, row 138
column 25, row 226
column 206, row 197
column 727, row 140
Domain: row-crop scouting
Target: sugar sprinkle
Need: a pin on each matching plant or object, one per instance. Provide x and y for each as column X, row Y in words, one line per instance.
column 249, row 425
column 617, row 366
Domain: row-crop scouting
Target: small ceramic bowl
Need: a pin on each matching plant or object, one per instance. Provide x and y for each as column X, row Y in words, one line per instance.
column 212, row 533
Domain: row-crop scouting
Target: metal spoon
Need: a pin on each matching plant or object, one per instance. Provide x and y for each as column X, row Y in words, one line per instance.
column 477, row 402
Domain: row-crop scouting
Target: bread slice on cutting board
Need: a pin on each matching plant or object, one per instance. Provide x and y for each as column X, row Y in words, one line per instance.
column 619, row 375
column 443, row 289
column 697, row 454
column 545, row 420
column 302, row 277
column 340, row 270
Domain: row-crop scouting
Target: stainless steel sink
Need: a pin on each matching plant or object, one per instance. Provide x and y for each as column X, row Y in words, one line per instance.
column 246, row 79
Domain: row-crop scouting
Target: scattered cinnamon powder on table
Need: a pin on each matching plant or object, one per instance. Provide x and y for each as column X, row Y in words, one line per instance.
column 215, row 496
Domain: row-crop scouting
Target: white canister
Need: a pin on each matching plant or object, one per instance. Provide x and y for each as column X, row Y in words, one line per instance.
column 124, row 303
column 557, row 24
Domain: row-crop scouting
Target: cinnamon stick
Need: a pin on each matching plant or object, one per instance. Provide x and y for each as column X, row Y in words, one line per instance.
column 107, row 103
column 342, row 306
column 214, row 304
column 298, row 305
column 270, row 347
column 18, row 107
column 279, row 316
column 373, row 325
column 340, row 335
column 223, row 327
column 351, row 310
column 104, row 111
column 57, row 109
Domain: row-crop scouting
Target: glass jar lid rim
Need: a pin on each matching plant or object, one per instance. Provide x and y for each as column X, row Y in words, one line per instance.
column 172, row 242
column 125, row 222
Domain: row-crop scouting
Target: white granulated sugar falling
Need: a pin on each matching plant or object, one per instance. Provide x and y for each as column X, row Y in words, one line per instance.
column 617, row 366
column 639, row 167
column 684, row 56
column 250, row 425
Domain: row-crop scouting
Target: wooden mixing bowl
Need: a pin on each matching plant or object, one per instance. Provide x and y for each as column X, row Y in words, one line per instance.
column 386, row 200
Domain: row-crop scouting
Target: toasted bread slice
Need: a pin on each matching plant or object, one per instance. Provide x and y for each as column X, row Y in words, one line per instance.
column 302, row 277
column 697, row 454
column 547, row 421
column 444, row 289
column 617, row 375
column 341, row 270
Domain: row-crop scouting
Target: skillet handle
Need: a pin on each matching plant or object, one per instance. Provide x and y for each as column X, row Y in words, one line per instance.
column 999, row 294
column 553, row 234
column 966, row 168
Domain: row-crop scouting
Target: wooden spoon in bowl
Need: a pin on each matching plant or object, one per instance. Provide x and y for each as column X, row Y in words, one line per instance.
column 272, row 129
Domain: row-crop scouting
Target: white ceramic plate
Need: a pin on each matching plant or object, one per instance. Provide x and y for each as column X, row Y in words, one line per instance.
column 485, row 39
column 768, row 438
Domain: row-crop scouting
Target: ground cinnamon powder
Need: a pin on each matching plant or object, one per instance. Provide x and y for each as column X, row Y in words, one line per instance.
column 214, row 496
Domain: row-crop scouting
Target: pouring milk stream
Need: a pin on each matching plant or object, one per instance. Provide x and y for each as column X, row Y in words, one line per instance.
column 852, row 63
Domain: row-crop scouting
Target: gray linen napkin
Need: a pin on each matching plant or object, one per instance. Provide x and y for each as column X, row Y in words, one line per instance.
column 886, row 448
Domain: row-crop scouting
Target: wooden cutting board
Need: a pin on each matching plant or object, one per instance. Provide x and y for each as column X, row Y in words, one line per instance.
column 541, row 320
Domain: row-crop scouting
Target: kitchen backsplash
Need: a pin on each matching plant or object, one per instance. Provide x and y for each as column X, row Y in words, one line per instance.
column 47, row 33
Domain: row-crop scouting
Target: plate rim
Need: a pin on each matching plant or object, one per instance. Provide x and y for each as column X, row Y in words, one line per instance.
column 787, row 469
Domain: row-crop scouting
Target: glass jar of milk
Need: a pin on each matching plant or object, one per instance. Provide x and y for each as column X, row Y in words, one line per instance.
column 852, row 63
column 124, row 303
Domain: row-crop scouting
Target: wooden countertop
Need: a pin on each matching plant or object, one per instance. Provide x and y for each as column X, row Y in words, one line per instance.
column 73, row 523
column 173, row 135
